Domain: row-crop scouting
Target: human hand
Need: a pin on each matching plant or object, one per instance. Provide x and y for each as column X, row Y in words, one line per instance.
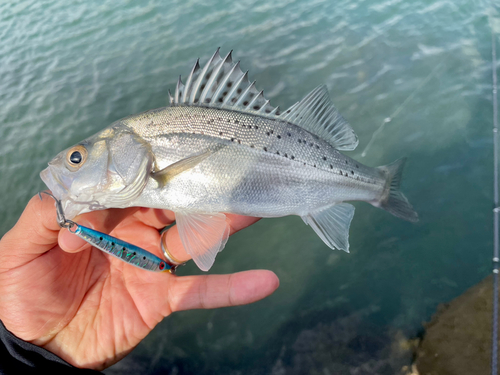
column 91, row 309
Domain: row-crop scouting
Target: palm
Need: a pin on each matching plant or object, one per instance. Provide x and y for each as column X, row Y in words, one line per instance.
column 92, row 309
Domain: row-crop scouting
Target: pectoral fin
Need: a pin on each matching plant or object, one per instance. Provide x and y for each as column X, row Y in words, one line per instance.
column 331, row 224
column 203, row 236
column 172, row 170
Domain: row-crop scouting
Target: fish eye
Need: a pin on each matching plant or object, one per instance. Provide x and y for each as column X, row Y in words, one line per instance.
column 76, row 157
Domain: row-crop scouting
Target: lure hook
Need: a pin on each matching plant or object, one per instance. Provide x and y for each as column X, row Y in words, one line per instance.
column 61, row 219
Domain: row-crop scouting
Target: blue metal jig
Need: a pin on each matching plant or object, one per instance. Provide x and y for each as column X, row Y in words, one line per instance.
column 122, row 250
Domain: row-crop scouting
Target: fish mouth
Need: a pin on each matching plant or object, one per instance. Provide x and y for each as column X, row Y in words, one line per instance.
column 70, row 206
column 53, row 183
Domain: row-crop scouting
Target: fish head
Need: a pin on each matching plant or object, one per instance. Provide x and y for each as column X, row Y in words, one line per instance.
column 109, row 169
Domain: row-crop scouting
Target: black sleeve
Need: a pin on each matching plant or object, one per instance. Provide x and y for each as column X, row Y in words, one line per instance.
column 21, row 357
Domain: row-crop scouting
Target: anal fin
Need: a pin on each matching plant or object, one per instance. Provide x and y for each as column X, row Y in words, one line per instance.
column 203, row 236
column 331, row 224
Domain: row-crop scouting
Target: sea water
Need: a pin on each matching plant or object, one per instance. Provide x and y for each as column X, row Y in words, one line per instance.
column 412, row 77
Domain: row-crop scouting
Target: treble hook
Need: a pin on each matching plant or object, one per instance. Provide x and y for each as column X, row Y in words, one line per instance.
column 61, row 219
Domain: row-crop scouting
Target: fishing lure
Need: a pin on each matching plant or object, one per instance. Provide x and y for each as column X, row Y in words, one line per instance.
column 122, row 250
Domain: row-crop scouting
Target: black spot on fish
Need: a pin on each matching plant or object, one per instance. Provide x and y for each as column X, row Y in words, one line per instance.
column 268, row 111
column 288, row 111
column 236, row 122
column 224, row 93
column 233, row 100
column 202, row 86
column 249, row 126
column 252, row 146
column 346, row 162
column 239, row 141
column 232, row 139
column 229, row 84
column 357, row 166
column 272, row 131
column 256, row 127
column 324, row 158
column 208, row 75
column 311, row 144
column 279, row 136
column 144, row 258
column 289, row 134
column 300, row 141
column 256, row 107
column 331, row 166
column 245, row 103
column 268, row 133
column 265, row 148
column 112, row 244
column 207, row 100
column 292, row 157
column 239, row 91
column 286, row 155
column 352, row 172
column 220, row 100
column 100, row 238
column 341, row 173
column 277, row 152
column 314, row 165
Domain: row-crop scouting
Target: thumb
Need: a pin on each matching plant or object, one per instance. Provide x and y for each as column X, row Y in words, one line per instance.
column 35, row 232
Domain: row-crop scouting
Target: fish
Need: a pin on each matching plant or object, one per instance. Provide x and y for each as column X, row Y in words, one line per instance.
column 220, row 147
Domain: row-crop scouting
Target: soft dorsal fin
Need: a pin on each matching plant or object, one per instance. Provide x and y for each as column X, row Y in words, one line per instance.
column 222, row 84
column 317, row 114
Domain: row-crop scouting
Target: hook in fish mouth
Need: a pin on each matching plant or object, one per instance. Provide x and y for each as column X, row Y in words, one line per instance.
column 61, row 218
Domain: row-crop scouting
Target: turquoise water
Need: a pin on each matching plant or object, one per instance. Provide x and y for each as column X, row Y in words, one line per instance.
column 69, row 69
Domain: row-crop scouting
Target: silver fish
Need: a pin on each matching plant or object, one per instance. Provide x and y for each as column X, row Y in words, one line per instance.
column 220, row 147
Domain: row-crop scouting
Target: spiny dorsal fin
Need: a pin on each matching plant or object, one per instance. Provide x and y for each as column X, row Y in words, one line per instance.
column 222, row 84
column 317, row 114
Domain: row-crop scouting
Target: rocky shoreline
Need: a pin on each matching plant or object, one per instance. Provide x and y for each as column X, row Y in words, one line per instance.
column 457, row 340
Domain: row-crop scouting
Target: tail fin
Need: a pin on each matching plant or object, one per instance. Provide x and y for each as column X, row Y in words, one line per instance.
column 393, row 200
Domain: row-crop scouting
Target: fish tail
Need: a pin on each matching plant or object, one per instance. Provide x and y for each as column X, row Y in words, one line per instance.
column 393, row 200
